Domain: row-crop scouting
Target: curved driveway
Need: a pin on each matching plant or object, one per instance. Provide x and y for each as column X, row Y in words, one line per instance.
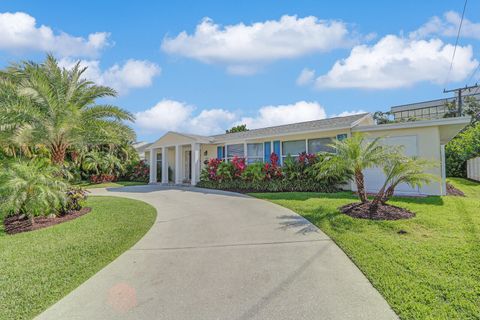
column 219, row 255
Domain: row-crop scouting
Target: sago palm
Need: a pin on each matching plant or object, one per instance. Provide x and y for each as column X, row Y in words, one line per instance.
column 57, row 107
column 352, row 156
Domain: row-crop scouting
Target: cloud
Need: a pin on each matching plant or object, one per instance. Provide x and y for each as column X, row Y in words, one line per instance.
column 243, row 48
column 171, row 115
column 447, row 27
column 283, row 114
column 347, row 113
column 395, row 62
column 131, row 74
column 305, row 77
column 19, row 32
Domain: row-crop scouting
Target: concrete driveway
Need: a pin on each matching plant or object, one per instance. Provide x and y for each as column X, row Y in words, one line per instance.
column 218, row 255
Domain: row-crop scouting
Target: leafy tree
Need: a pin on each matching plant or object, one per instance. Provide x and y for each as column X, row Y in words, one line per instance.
column 464, row 146
column 470, row 108
column 32, row 188
column 381, row 117
column 48, row 105
column 239, row 128
column 352, row 156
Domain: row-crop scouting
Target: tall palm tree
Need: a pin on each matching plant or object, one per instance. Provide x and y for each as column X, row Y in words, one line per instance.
column 352, row 156
column 56, row 107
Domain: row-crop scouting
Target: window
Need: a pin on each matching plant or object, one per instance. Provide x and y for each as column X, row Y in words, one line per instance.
column 254, row 152
column 293, row 148
column 320, row 145
column 235, row 150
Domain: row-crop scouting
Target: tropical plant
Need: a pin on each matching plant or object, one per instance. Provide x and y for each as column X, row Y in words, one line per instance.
column 32, row 188
column 55, row 107
column 272, row 168
column 225, row 171
column 352, row 156
column 75, row 198
column 398, row 169
column 254, row 172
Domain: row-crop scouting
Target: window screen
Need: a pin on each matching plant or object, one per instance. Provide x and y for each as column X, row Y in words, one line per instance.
column 235, row 150
column 293, row 147
column 320, row 145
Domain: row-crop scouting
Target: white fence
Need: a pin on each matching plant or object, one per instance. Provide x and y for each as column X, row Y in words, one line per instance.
column 473, row 169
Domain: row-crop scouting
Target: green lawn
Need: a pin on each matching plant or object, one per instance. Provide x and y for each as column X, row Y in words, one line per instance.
column 432, row 271
column 116, row 184
column 40, row 267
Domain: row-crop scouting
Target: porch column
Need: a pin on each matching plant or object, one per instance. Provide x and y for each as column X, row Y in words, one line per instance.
column 195, row 163
column 153, row 165
column 444, row 170
column 178, row 164
column 164, row 165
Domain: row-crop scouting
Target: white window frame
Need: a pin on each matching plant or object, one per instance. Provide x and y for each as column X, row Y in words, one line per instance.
column 227, row 158
column 284, row 156
column 257, row 158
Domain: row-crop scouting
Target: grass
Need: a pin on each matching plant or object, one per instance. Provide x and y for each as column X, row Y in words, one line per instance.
column 116, row 184
column 40, row 267
column 432, row 271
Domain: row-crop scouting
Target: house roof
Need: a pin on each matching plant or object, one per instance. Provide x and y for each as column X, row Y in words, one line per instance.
column 287, row 129
column 299, row 127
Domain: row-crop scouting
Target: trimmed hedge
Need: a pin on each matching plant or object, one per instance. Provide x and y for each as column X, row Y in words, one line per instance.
column 283, row 185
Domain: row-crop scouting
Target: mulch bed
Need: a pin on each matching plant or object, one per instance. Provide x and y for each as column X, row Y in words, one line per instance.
column 452, row 191
column 384, row 212
column 17, row 223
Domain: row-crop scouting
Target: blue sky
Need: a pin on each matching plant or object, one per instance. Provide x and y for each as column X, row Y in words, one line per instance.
column 202, row 66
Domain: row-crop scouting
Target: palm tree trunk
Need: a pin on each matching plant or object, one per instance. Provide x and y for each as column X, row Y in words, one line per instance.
column 58, row 153
column 388, row 194
column 360, row 181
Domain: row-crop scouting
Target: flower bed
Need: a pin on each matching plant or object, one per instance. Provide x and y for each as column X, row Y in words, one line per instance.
column 296, row 175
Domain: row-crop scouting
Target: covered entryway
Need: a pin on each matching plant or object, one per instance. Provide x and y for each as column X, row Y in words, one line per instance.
column 177, row 157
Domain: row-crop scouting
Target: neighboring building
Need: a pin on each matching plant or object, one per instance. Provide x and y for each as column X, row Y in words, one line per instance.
column 140, row 148
column 427, row 110
column 185, row 154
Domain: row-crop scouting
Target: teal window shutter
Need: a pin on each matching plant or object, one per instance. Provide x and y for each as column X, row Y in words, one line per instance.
column 220, row 152
column 267, row 148
column 341, row 137
column 276, row 148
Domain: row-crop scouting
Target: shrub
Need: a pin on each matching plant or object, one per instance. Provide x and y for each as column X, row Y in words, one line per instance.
column 102, row 178
column 32, row 188
column 269, row 186
column 138, row 171
column 76, row 197
column 225, row 171
column 464, row 146
column 254, row 172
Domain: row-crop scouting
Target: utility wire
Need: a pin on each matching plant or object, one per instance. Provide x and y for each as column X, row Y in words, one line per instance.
column 456, row 42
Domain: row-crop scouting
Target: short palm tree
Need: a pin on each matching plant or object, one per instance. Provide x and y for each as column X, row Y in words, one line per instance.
column 399, row 169
column 352, row 156
column 56, row 107
column 32, row 188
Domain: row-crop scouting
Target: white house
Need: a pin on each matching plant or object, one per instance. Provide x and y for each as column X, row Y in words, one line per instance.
column 181, row 156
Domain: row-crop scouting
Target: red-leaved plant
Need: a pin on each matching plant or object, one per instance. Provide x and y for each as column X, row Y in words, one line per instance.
column 272, row 169
column 212, row 167
column 238, row 165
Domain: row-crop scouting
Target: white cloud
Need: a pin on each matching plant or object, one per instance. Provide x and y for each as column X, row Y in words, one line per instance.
column 448, row 27
column 283, row 114
column 171, row 115
column 347, row 113
column 19, row 32
column 395, row 62
column 132, row 74
column 244, row 47
column 305, row 77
